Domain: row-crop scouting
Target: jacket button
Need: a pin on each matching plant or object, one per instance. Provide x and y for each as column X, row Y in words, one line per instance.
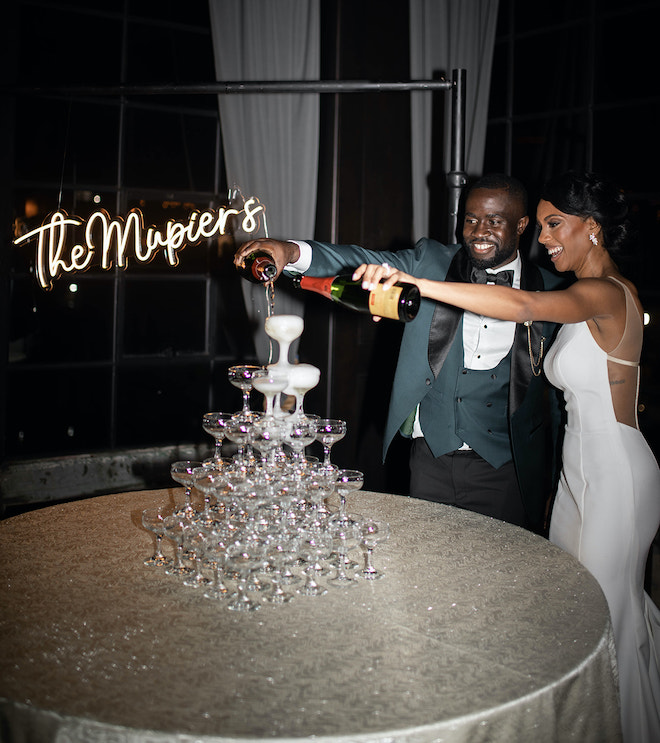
column 489, row 404
column 428, row 382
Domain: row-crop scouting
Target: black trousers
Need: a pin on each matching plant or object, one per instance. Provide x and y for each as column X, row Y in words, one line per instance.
column 464, row 479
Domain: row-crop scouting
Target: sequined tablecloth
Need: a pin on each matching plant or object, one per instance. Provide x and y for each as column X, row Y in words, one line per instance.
column 479, row 632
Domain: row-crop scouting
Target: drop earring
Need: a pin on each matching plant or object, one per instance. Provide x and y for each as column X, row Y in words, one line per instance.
column 593, row 238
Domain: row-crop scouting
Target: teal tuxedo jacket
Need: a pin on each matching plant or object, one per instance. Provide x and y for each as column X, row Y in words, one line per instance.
column 530, row 419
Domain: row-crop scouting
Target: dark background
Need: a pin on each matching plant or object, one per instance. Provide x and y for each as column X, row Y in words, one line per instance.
column 134, row 358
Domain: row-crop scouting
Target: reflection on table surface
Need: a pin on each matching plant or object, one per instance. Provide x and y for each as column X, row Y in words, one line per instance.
column 479, row 631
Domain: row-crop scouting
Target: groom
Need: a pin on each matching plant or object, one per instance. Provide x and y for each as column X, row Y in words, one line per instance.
column 467, row 389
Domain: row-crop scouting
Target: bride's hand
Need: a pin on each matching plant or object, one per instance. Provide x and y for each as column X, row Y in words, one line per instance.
column 372, row 273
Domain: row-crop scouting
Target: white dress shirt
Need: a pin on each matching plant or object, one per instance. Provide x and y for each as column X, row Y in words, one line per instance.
column 304, row 259
column 487, row 341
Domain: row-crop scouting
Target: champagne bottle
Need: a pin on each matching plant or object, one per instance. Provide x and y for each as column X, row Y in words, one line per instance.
column 400, row 302
column 258, row 267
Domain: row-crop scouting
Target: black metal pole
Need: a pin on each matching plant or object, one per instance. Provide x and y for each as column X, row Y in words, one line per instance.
column 222, row 88
column 456, row 177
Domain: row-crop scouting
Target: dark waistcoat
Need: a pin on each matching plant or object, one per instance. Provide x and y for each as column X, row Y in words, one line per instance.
column 468, row 406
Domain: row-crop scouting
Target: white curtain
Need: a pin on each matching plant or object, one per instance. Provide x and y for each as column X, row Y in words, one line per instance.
column 447, row 35
column 270, row 140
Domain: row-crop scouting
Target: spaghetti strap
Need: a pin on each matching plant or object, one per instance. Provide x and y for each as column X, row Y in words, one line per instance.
column 623, row 363
column 629, row 349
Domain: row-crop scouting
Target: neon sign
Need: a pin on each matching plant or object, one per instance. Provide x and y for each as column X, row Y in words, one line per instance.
column 109, row 240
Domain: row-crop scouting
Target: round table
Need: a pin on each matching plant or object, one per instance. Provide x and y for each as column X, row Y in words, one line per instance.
column 478, row 631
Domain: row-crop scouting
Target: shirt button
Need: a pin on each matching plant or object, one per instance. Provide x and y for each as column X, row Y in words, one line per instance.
column 489, row 404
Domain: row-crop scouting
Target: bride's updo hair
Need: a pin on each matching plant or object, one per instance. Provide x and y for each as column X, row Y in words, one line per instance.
column 585, row 194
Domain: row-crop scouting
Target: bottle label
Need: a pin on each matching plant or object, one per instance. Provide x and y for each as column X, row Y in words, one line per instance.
column 322, row 285
column 385, row 303
column 261, row 267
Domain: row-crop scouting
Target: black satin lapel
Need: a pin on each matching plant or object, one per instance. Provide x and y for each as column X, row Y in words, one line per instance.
column 521, row 365
column 446, row 318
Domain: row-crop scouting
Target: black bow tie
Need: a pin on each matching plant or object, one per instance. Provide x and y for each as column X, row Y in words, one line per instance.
column 501, row 278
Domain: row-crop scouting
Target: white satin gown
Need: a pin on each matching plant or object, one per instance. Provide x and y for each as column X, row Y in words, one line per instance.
column 607, row 509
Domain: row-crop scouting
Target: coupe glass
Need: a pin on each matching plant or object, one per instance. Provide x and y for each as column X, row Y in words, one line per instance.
column 249, row 499
column 371, row 533
column 244, row 555
column 282, row 551
column 239, row 432
column 214, row 545
column 174, row 530
column 284, row 329
column 299, row 432
column 215, row 425
column 193, row 540
column 347, row 482
column 241, row 377
column 267, row 437
column 152, row 519
column 271, row 385
column 182, row 472
column 319, row 485
column 314, row 547
column 302, row 378
column 344, row 533
column 211, row 482
column 328, row 432
column 286, row 499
